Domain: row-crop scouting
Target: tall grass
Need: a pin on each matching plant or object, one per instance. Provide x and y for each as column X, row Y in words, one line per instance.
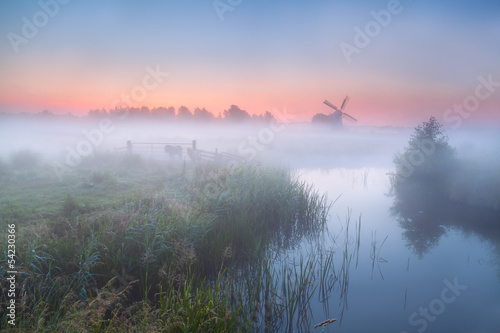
column 175, row 258
column 256, row 208
column 24, row 160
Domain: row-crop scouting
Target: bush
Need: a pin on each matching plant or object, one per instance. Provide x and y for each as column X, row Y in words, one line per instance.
column 3, row 168
column 427, row 161
column 24, row 160
column 70, row 207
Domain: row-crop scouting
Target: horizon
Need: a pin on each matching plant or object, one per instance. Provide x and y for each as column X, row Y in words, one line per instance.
column 399, row 61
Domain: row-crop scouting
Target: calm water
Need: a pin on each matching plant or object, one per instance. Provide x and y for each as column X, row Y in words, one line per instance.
column 454, row 287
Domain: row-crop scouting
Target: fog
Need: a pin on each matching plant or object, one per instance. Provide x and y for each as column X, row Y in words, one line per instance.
column 434, row 219
column 295, row 145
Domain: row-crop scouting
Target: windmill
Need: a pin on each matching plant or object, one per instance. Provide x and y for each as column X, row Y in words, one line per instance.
column 339, row 113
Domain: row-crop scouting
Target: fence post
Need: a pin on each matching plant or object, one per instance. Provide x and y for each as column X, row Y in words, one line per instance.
column 129, row 146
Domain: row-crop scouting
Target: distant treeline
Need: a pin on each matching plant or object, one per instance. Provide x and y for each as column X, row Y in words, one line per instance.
column 233, row 114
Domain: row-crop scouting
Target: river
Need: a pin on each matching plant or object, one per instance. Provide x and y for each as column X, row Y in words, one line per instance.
column 451, row 286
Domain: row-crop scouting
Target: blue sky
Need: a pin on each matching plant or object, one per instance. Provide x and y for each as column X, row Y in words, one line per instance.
column 264, row 55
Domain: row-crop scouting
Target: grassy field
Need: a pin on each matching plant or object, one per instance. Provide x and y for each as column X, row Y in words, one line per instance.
column 124, row 244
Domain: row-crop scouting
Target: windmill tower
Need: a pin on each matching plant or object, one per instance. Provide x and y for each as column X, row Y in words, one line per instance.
column 339, row 113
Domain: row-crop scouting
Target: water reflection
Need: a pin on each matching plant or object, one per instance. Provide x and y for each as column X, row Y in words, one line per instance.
column 426, row 215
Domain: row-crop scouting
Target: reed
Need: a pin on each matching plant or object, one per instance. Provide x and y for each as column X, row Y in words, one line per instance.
column 170, row 257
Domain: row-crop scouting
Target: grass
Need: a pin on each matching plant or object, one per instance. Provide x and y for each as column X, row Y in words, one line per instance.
column 119, row 245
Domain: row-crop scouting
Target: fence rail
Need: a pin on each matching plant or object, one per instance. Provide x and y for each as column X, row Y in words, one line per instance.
column 177, row 149
column 156, row 146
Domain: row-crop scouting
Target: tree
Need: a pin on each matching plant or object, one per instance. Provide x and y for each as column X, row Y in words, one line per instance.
column 145, row 111
column 134, row 112
column 268, row 117
column 427, row 157
column 163, row 112
column 257, row 117
column 184, row 114
column 236, row 114
column 202, row 114
column 46, row 113
column 96, row 113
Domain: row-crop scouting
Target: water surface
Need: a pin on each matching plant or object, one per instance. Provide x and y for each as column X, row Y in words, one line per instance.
column 454, row 286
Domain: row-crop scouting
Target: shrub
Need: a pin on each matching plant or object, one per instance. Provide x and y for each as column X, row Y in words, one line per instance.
column 24, row 160
column 3, row 168
column 427, row 162
column 70, row 207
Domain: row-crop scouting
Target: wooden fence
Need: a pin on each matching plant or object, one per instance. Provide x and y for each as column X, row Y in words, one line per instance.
column 179, row 149
column 155, row 147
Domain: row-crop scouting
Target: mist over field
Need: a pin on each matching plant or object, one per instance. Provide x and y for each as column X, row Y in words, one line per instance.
column 249, row 166
column 286, row 144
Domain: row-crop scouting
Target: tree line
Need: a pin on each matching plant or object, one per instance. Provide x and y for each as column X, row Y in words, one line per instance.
column 232, row 114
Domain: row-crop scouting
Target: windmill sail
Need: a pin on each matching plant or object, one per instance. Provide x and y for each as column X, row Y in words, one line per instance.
column 344, row 103
column 345, row 114
column 339, row 113
column 331, row 105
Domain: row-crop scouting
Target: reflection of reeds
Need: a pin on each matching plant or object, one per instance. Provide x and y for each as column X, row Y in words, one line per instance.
column 358, row 240
column 375, row 255
column 373, row 250
column 365, row 178
column 328, row 278
column 406, row 294
column 326, row 322
column 275, row 292
column 344, row 280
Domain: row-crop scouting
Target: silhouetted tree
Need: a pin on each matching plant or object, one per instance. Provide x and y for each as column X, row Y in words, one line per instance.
column 134, row 112
column 119, row 112
column 163, row 112
column 320, row 118
column 96, row 113
column 236, row 114
column 46, row 113
column 268, row 117
column 203, row 115
column 184, row 114
column 428, row 159
column 257, row 117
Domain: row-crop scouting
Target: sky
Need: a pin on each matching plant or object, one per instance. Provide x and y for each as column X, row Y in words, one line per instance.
column 399, row 61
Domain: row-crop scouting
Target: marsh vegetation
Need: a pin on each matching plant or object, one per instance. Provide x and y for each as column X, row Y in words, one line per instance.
column 119, row 244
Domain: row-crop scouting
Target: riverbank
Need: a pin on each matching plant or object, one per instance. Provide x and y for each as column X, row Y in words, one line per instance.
column 122, row 244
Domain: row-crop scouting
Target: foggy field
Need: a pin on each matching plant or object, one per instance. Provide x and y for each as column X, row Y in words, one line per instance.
column 143, row 235
column 115, row 239
column 66, row 142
